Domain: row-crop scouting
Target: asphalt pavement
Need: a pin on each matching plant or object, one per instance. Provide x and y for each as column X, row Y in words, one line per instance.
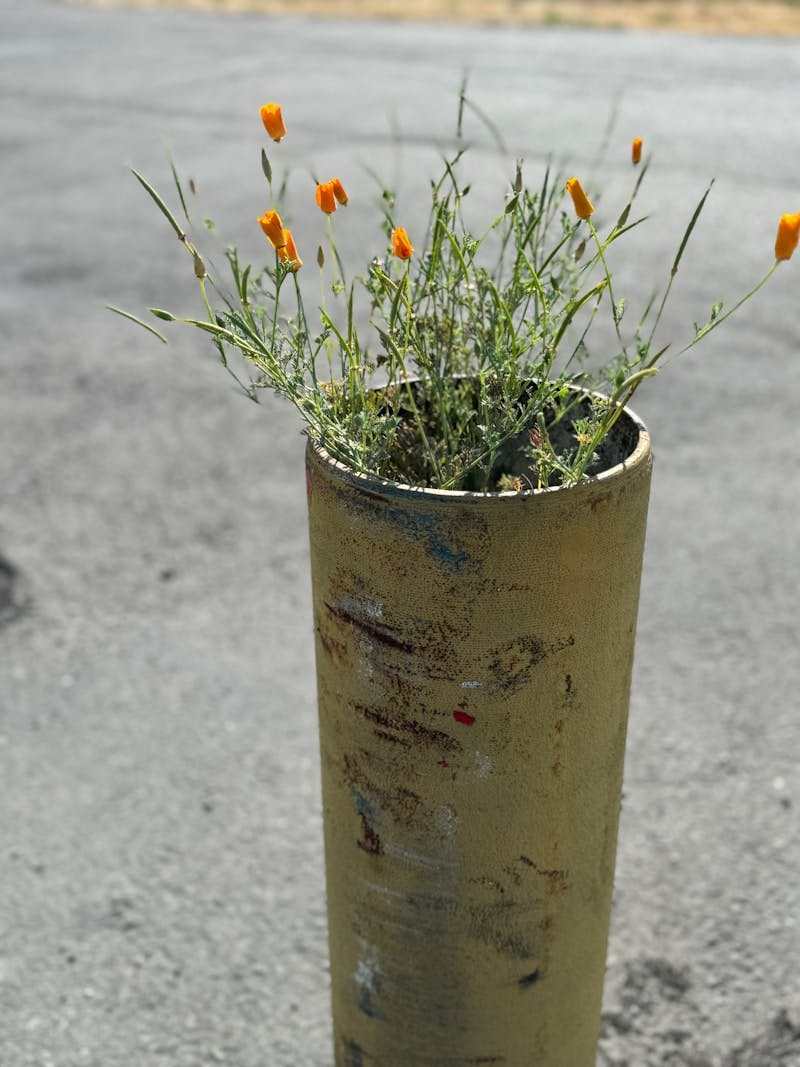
column 161, row 878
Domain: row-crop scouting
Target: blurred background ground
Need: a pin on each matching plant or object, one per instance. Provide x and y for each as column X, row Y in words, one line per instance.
column 746, row 17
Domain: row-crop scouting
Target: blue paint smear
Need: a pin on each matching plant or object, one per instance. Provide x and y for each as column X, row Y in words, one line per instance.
column 363, row 806
column 452, row 556
column 435, row 531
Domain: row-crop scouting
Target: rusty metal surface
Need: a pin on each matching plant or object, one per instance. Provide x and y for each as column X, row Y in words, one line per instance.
column 474, row 658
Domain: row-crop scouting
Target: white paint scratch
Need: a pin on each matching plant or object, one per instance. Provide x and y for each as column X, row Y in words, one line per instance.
column 446, row 820
column 483, row 765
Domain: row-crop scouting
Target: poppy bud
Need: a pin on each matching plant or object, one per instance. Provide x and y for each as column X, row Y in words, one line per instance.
column 581, row 202
column 788, row 233
column 273, row 228
column 338, row 192
column 326, row 197
column 288, row 252
column 401, row 246
column 636, row 150
column 273, row 121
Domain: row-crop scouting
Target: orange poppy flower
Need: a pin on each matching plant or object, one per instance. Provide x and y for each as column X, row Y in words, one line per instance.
column 401, row 246
column 288, row 253
column 326, row 197
column 581, row 202
column 338, row 191
column 273, row 228
column 273, row 121
column 636, row 150
column 788, row 234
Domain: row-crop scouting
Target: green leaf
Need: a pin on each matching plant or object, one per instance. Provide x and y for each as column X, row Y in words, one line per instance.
column 462, row 99
column 133, row 318
column 243, row 280
column 518, row 179
column 265, row 166
column 635, row 379
column 178, row 186
column 690, row 227
column 160, row 203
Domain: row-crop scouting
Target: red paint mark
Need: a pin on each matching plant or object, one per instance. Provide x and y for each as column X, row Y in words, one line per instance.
column 464, row 718
column 309, row 486
column 442, row 763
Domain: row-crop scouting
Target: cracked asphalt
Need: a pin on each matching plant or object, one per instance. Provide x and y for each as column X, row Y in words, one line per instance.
column 161, row 880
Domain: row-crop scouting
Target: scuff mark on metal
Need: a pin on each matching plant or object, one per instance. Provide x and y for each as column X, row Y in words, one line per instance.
column 375, row 631
column 494, row 924
column 483, row 765
column 387, row 736
column 353, row 1053
column 370, row 840
column 419, row 731
column 484, row 1061
column 367, row 978
column 510, row 666
column 431, row 863
column 400, row 802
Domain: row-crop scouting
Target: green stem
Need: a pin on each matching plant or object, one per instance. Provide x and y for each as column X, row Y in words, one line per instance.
column 709, row 326
column 676, row 263
column 220, row 348
column 323, row 313
column 406, row 381
column 301, row 317
column 601, row 253
column 335, row 251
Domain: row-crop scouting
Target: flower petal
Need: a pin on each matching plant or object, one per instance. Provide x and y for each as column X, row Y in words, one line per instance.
column 273, row 121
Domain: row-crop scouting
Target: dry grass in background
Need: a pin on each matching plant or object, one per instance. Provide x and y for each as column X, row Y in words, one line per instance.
column 753, row 17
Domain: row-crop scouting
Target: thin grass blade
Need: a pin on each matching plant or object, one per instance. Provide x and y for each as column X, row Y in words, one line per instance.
column 179, row 187
column 690, row 227
column 159, row 203
column 139, row 322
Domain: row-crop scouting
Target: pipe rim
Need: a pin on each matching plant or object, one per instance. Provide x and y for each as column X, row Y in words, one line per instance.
column 641, row 455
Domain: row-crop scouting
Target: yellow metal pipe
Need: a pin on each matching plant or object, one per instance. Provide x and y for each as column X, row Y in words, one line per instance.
column 474, row 657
